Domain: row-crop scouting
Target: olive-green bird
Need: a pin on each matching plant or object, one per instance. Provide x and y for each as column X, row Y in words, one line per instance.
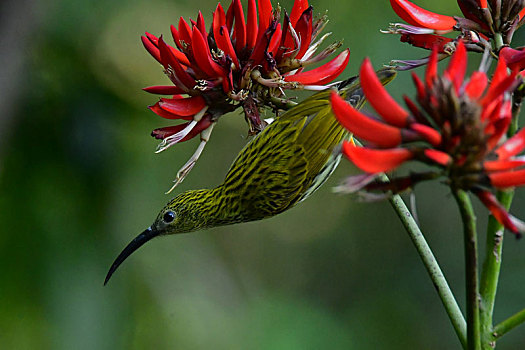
column 277, row 169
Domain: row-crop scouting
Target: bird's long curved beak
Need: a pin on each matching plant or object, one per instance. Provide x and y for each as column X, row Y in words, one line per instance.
column 135, row 244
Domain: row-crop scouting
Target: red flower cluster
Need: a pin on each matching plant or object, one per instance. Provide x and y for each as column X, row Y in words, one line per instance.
column 457, row 128
column 242, row 61
column 484, row 21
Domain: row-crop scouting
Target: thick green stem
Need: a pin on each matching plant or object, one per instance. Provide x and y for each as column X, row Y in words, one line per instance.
column 433, row 269
column 471, row 267
column 498, row 41
column 491, row 270
column 509, row 323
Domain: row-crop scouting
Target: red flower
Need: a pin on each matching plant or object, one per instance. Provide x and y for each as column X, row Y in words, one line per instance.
column 457, row 126
column 242, row 61
column 484, row 21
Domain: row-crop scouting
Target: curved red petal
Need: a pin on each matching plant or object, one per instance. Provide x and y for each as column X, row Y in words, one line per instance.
column 497, row 90
column 430, row 134
column 168, row 58
column 505, row 164
column 164, row 90
column 265, row 16
column 151, row 48
column 476, row 85
column 304, row 31
column 165, row 114
column 184, row 31
column 515, row 58
column 375, row 160
column 379, row 98
column 457, row 67
column 224, row 43
column 323, row 74
column 299, row 6
column 275, row 40
column 239, row 34
column 431, row 71
column 505, row 179
column 162, row 133
column 497, row 210
column 438, row 157
column 420, row 17
column 362, row 126
column 512, row 146
column 203, row 56
column 426, row 41
column 183, row 107
column 251, row 34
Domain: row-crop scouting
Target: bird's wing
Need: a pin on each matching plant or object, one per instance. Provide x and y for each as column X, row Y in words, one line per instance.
column 268, row 175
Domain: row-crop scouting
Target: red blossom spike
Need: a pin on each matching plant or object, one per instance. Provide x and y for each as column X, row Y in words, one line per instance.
column 420, row 87
column 426, row 41
column 374, row 160
column 164, row 90
column 438, row 157
column 431, row 72
column 265, row 16
column 240, row 25
column 506, row 179
column 203, row 58
column 176, row 36
column 476, row 85
column 379, row 98
column 304, row 32
column 251, row 34
column 512, row 146
column 299, row 7
column 201, row 25
column 431, row 135
column 165, row 114
column 183, row 107
column 224, row 43
column 363, row 127
column 219, row 19
column 497, row 210
column 151, row 48
column 323, row 74
column 202, row 125
column 457, row 67
column 276, row 39
column 420, row 17
column 262, row 47
column 505, row 164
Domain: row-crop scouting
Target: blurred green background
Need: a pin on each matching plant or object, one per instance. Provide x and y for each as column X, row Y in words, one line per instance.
column 79, row 179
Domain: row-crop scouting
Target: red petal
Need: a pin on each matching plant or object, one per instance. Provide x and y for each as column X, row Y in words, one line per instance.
column 379, row 98
column 224, row 43
column 501, row 124
column 240, row 26
column 374, row 160
column 457, row 67
column 438, row 157
column 420, row 87
column 168, row 58
column 203, row 56
column 287, row 41
column 476, row 85
column 202, row 26
column 431, row 72
column 298, row 8
column 323, row 74
column 219, row 19
column 497, row 90
column 164, row 90
column 426, row 41
column 252, row 24
column 363, row 127
column 420, row 17
column 483, row 4
column 497, row 210
column 181, row 57
column 262, row 47
column 512, row 146
column 515, row 58
column 276, row 39
column 165, row 114
column 151, row 48
column 304, row 31
column 202, row 125
column 505, row 164
column 428, row 133
column 183, row 107
column 184, row 31
column 500, row 73
column 507, row 179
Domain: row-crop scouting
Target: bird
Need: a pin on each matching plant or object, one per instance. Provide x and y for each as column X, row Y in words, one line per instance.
column 280, row 167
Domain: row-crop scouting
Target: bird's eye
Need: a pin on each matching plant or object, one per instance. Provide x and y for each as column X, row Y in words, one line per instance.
column 169, row 216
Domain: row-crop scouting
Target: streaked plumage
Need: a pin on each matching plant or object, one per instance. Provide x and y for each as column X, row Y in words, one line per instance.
column 280, row 167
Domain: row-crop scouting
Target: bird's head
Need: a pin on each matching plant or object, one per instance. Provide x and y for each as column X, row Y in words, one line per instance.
column 180, row 215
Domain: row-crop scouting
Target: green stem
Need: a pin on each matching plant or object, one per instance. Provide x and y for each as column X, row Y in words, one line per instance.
column 471, row 268
column 491, row 270
column 433, row 269
column 498, row 41
column 509, row 323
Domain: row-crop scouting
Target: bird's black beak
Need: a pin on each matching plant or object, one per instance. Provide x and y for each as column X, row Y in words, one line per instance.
column 135, row 244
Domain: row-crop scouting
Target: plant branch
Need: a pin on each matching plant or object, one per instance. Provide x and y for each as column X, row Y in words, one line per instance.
column 433, row 268
column 511, row 322
column 471, row 268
